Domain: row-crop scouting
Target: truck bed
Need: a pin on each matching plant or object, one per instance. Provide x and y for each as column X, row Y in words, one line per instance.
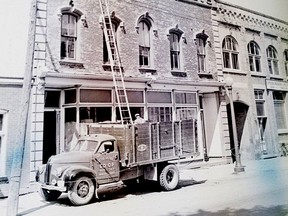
column 151, row 142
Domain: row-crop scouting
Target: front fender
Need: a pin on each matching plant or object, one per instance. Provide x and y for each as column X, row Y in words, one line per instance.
column 72, row 173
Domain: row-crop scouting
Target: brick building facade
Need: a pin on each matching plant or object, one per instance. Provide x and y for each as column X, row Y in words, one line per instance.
column 168, row 58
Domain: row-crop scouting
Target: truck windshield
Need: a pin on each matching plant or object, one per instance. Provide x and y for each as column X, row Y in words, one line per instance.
column 85, row 145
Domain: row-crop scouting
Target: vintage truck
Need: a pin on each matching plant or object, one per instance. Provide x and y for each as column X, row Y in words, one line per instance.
column 110, row 153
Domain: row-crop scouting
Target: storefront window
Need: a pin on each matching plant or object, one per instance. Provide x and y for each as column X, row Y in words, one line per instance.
column 95, row 96
column 159, row 97
column 95, row 114
column 70, row 96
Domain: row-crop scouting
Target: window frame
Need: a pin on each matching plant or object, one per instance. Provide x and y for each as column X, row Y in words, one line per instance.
column 254, row 54
column 259, row 99
column 282, row 102
column 285, row 53
column 175, row 36
column 3, row 142
column 272, row 61
column 72, row 37
column 115, row 23
column 144, row 49
column 229, row 52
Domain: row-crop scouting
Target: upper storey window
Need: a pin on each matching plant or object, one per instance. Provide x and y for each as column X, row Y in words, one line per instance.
column 201, row 40
column 254, row 56
column 175, row 49
column 230, row 53
column 272, row 60
column 68, row 36
column 114, row 47
column 286, row 61
column 144, row 43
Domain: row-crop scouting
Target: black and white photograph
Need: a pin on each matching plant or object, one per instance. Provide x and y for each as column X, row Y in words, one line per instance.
column 144, row 108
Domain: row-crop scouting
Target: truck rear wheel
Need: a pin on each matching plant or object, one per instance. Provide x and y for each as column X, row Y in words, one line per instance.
column 82, row 191
column 49, row 195
column 169, row 177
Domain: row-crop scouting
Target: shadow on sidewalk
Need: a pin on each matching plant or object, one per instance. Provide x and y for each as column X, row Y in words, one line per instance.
column 185, row 183
column 279, row 210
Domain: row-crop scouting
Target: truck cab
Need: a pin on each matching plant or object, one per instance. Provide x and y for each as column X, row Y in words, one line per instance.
column 94, row 160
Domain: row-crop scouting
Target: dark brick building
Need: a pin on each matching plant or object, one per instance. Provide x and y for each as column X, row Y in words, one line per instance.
column 169, row 63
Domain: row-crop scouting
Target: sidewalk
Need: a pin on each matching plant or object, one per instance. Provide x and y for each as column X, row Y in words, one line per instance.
column 224, row 172
column 220, row 174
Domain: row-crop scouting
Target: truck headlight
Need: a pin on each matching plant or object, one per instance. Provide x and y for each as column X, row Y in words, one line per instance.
column 53, row 182
column 59, row 171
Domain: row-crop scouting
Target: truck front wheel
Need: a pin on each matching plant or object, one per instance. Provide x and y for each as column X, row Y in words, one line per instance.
column 49, row 195
column 169, row 177
column 82, row 191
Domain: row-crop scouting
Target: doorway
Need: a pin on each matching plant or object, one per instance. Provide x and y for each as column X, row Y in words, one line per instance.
column 241, row 110
column 50, row 135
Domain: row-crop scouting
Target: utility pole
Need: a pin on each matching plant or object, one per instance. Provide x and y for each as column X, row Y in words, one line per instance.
column 19, row 148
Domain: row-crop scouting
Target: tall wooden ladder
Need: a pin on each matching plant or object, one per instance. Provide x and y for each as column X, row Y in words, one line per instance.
column 115, row 63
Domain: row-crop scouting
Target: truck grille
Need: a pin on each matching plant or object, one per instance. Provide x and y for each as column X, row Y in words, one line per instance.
column 47, row 173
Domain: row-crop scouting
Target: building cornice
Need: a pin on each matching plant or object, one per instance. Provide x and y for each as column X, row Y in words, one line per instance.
column 236, row 15
column 202, row 3
column 252, row 11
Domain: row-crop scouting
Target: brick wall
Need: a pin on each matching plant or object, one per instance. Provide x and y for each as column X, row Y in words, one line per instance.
column 190, row 18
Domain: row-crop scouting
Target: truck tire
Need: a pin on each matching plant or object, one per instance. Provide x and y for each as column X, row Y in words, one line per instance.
column 82, row 191
column 49, row 195
column 169, row 177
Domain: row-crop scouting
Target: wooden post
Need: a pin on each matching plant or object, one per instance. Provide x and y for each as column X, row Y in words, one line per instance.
column 18, row 151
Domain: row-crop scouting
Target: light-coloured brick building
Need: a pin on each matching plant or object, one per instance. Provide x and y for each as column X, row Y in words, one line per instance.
column 252, row 48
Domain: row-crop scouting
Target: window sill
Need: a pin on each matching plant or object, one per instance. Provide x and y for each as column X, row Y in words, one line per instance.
column 107, row 67
column 178, row 73
column 147, row 70
column 71, row 64
column 282, row 131
column 278, row 77
column 234, row 71
column 205, row 75
column 258, row 74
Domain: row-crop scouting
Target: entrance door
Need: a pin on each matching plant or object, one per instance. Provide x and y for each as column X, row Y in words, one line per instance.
column 241, row 110
column 50, row 134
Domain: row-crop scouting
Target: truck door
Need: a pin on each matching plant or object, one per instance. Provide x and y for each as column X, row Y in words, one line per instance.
column 106, row 162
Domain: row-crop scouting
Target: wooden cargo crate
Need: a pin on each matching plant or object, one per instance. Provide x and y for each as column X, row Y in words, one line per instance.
column 150, row 142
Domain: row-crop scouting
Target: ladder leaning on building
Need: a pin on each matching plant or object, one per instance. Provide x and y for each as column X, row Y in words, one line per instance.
column 115, row 64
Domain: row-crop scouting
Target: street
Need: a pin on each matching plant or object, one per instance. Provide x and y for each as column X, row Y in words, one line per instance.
column 261, row 190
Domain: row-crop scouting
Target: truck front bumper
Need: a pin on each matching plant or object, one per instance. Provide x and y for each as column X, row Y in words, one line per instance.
column 53, row 187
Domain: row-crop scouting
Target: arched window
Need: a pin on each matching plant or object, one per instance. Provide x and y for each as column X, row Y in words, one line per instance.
column 115, row 24
column 144, row 43
column 68, row 35
column 230, row 53
column 254, row 56
column 201, row 39
column 272, row 60
column 286, row 61
column 174, row 37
